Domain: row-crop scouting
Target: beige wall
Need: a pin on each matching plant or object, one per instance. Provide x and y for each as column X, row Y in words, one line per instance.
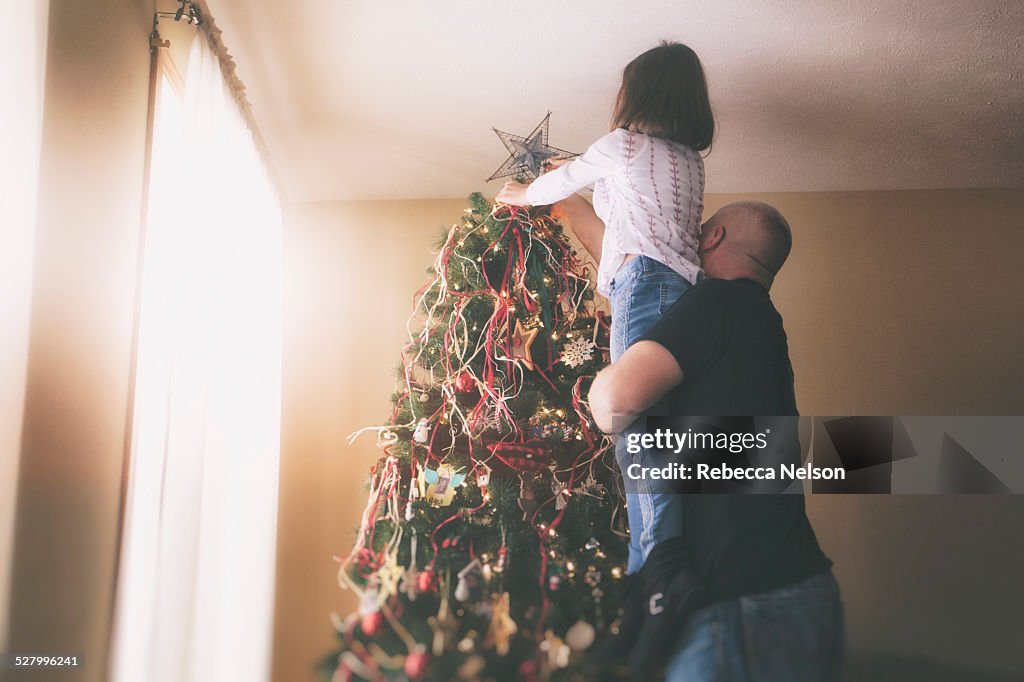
column 895, row 303
column 76, row 404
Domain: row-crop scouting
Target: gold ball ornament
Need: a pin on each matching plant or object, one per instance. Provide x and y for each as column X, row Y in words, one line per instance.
column 580, row 636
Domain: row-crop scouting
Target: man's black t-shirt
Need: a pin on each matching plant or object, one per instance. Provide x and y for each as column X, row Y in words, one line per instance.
column 728, row 339
column 730, row 343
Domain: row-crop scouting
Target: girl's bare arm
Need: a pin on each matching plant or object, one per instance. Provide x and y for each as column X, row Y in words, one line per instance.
column 583, row 221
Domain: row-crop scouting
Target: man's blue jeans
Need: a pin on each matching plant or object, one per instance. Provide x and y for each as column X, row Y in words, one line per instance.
column 793, row 634
column 641, row 292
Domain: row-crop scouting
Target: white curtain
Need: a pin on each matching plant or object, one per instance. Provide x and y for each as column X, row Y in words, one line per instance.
column 22, row 77
column 196, row 584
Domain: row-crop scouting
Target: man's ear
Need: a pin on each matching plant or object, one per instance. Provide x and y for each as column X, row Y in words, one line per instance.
column 712, row 237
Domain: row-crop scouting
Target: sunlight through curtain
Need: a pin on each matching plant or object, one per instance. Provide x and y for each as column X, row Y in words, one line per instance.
column 196, row 586
column 22, row 77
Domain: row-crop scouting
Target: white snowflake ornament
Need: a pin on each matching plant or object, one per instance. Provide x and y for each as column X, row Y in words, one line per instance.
column 578, row 351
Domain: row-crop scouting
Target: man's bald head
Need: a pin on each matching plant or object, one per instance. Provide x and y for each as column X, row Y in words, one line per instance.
column 745, row 239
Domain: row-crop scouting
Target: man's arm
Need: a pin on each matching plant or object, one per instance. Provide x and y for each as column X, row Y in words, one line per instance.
column 584, row 223
column 624, row 389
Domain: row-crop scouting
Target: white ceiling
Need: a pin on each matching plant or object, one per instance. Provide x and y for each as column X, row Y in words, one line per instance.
column 361, row 99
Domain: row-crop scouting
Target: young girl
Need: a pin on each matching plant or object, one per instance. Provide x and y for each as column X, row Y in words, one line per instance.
column 648, row 178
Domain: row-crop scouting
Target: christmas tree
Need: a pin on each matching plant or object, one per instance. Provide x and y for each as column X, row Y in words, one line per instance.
column 493, row 536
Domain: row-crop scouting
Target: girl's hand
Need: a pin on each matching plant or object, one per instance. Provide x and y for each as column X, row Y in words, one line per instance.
column 552, row 164
column 513, row 193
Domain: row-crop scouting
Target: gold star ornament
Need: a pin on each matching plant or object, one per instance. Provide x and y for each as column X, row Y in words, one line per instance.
column 522, row 341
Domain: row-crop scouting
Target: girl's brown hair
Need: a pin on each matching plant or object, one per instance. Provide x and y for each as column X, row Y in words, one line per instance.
column 664, row 94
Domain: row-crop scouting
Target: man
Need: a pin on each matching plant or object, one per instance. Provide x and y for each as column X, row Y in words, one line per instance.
column 721, row 350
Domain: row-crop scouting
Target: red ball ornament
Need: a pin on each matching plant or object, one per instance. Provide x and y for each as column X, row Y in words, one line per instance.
column 371, row 624
column 464, row 383
column 426, row 581
column 416, row 665
column 528, row 670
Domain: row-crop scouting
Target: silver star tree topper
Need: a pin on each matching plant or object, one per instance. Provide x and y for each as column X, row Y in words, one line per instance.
column 527, row 154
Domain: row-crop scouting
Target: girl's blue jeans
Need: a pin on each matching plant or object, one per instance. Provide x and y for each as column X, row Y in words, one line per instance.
column 640, row 293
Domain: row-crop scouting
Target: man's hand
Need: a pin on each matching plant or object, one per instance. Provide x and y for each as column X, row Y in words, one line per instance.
column 623, row 390
column 513, row 193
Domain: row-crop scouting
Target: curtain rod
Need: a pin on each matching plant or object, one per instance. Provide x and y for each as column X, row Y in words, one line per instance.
column 196, row 13
column 187, row 11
